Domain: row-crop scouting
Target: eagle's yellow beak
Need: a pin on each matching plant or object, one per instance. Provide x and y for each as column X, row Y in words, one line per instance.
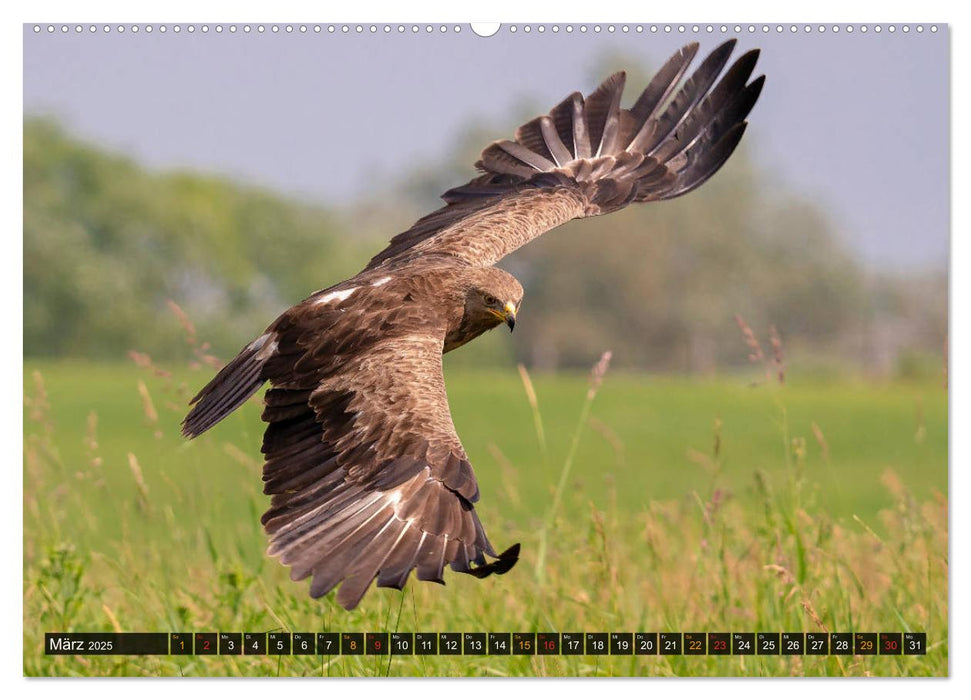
column 507, row 315
column 510, row 316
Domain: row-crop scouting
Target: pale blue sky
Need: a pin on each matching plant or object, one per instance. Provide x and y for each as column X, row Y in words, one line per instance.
column 857, row 122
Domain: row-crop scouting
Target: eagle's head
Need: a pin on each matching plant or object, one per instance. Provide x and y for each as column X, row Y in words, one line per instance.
column 488, row 297
column 492, row 297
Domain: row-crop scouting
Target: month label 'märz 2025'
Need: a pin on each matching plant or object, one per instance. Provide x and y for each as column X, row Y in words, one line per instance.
column 106, row 643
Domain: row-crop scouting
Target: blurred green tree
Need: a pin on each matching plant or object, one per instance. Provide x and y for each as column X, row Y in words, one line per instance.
column 107, row 244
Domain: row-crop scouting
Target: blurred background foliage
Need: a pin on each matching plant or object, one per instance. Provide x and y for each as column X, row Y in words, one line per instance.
column 108, row 243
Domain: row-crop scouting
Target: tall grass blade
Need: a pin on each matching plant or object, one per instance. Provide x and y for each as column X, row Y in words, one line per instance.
column 596, row 379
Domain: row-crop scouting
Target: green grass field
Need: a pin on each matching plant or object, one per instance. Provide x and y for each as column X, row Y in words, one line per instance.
column 691, row 506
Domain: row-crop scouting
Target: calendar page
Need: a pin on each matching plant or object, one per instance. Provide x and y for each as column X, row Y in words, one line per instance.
column 514, row 349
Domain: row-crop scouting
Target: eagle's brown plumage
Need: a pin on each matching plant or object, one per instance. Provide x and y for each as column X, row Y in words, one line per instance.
column 367, row 475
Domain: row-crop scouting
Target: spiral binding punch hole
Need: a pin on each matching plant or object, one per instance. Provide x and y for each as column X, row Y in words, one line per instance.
column 485, row 29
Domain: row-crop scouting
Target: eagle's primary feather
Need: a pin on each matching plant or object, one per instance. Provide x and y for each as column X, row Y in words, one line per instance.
column 367, row 477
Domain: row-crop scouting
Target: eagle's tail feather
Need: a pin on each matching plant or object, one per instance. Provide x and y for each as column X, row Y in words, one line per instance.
column 227, row 391
column 660, row 148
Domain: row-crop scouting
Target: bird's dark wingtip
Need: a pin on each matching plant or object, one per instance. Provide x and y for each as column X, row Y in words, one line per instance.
column 505, row 561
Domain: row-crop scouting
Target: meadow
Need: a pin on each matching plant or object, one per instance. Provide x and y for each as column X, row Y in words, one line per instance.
column 660, row 504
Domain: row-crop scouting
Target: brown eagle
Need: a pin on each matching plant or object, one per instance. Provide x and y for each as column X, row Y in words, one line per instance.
column 367, row 475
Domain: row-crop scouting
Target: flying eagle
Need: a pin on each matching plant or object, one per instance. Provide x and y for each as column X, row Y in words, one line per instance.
column 367, row 475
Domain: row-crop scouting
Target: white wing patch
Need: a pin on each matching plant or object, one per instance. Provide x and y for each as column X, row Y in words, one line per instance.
column 264, row 349
column 259, row 342
column 383, row 280
column 339, row 295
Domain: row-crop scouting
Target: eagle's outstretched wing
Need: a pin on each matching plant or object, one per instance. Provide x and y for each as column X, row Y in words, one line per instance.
column 589, row 156
column 367, row 475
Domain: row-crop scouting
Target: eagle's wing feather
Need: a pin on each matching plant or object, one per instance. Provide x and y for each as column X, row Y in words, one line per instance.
column 367, row 474
column 590, row 156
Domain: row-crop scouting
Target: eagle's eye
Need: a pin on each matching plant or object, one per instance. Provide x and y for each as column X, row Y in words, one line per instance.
column 491, row 300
